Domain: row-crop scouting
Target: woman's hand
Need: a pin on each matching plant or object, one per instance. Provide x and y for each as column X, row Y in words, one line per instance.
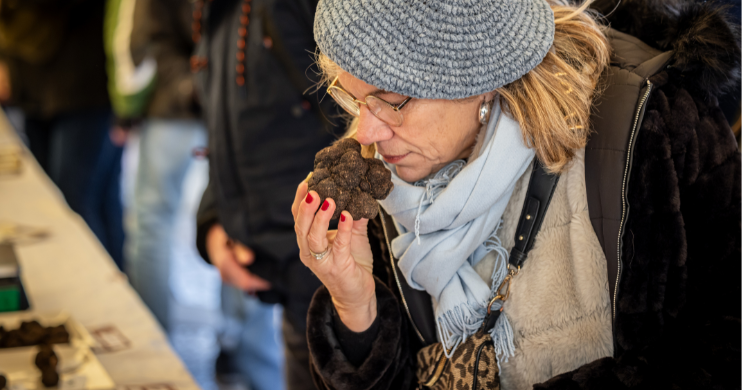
column 347, row 268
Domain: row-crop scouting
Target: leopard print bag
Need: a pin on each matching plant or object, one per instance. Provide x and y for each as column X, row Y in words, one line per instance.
column 473, row 365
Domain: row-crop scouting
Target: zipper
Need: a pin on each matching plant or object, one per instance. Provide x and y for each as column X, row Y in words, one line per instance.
column 638, row 112
column 395, row 276
column 437, row 372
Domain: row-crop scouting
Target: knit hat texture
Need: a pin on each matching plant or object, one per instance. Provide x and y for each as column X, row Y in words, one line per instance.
column 435, row 49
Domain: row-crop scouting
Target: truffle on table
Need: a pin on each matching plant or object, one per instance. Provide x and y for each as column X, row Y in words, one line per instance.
column 46, row 360
column 56, row 335
column 31, row 332
column 50, row 377
column 352, row 181
column 12, row 339
column 46, row 357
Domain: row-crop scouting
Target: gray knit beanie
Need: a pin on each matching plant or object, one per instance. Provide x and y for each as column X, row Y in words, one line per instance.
column 435, row 49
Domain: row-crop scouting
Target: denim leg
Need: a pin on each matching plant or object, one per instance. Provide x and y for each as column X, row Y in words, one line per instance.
column 85, row 164
column 252, row 338
column 165, row 155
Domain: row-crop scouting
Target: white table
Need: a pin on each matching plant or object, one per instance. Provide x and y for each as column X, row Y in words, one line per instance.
column 69, row 271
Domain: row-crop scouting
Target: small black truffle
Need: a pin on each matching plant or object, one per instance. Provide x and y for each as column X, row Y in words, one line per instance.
column 50, row 377
column 46, row 357
column 352, row 181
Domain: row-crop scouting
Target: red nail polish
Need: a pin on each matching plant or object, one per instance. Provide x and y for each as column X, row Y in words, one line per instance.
column 343, row 217
column 325, row 205
column 309, row 198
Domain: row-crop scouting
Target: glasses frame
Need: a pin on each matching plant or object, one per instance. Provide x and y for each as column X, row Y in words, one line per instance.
column 395, row 108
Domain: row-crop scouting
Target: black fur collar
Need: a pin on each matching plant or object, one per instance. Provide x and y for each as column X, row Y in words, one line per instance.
column 706, row 43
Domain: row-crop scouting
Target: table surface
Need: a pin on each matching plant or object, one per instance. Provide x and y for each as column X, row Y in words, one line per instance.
column 69, row 271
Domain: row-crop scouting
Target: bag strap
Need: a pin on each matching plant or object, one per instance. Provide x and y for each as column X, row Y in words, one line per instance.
column 542, row 186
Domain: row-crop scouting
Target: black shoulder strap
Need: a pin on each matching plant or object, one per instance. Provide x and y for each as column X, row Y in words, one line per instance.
column 541, row 187
column 419, row 304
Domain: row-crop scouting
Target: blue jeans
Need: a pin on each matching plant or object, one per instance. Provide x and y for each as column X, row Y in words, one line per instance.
column 252, row 338
column 75, row 150
column 165, row 155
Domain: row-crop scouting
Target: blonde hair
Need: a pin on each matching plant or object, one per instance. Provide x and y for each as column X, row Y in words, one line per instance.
column 552, row 102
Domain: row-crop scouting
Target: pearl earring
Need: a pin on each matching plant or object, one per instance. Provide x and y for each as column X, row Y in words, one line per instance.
column 484, row 112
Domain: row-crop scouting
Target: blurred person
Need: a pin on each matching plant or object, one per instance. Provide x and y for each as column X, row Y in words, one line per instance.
column 252, row 63
column 157, row 94
column 53, row 69
column 149, row 46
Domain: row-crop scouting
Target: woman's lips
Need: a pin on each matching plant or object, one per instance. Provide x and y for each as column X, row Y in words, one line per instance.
column 393, row 159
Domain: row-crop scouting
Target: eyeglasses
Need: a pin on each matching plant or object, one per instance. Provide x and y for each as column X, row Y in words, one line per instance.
column 383, row 110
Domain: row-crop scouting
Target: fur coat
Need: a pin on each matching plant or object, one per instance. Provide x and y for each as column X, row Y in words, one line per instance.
column 677, row 322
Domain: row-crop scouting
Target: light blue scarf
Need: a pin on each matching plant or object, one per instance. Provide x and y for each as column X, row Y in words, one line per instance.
column 451, row 221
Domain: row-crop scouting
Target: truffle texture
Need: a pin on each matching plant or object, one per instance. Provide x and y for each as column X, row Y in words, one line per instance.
column 353, row 182
column 362, row 205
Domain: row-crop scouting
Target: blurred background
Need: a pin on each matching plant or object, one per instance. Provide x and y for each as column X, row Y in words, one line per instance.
column 123, row 103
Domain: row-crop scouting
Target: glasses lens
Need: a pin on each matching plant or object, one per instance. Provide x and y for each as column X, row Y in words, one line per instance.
column 384, row 111
column 345, row 100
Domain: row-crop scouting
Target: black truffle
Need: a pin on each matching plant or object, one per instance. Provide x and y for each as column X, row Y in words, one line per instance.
column 12, row 339
column 3, row 382
column 46, row 360
column 46, row 357
column 50, row 377
column 353, row 182
column 31, row 332
column 56, row 335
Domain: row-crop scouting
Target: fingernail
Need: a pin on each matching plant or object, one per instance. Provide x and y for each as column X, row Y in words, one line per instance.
column 325, row 205
column 309, row 198
column 343, row 217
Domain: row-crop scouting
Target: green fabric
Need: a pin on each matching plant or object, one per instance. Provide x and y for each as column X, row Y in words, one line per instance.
column 130, row 104
column 10, row 298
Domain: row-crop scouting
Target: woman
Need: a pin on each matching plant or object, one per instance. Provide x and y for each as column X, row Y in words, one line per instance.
column 459, row 99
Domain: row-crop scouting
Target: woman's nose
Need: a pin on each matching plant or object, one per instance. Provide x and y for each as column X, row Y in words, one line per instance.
column 371, row 129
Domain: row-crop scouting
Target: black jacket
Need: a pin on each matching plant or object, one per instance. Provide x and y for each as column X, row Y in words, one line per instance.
column 663, row 185
column 263, row 135
column 54, row 50
column 162, row 29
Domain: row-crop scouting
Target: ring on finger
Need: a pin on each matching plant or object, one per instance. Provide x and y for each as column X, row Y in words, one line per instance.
column 322, row 255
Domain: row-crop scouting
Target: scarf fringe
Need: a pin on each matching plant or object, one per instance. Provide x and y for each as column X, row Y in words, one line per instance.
column 454, row 326
column 502, row 339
